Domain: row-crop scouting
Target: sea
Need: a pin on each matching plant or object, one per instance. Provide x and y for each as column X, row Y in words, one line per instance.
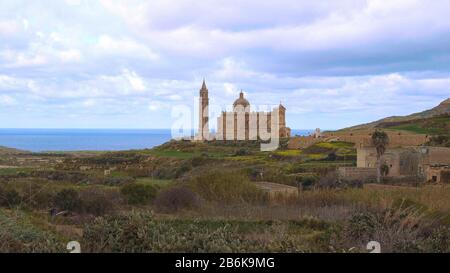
column 46, row 140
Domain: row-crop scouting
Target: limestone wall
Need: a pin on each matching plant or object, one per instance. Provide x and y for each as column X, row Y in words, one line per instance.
column 363, row 138
column 436, row 155
column 357, row 173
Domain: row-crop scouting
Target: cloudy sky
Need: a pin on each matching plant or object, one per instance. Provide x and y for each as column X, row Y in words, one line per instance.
column 127, row 64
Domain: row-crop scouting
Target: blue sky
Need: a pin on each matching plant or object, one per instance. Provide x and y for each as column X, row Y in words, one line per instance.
column 127, row 64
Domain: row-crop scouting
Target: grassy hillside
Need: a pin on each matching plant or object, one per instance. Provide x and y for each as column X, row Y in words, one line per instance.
column 439, row 125
column 442, row 109
column 6, row 150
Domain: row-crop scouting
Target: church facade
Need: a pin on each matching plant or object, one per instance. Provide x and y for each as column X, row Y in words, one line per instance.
column 242, row 123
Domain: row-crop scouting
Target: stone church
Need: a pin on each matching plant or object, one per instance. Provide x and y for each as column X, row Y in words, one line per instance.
column 242, row 123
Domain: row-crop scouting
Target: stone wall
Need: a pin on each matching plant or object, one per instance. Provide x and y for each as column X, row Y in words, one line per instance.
column 357, row 173
column 363, row 138
column 435, row 155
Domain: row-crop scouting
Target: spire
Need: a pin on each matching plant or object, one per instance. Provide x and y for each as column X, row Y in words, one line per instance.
column 241, row 95
column 204, row 84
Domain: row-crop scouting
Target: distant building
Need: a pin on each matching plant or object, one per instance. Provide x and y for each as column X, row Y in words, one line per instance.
column 429, row 163
column 241, row 123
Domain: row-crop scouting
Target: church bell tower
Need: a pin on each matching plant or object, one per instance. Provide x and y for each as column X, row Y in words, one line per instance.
column 203, row 127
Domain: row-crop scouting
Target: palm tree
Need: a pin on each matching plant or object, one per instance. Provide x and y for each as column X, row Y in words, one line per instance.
column 380, row 140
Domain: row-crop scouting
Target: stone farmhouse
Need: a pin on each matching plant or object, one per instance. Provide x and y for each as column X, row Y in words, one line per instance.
column 427, row 163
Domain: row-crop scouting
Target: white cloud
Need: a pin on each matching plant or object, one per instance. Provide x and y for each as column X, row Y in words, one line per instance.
column 155, row 106
column 110, row 45
column 71, row 55
column 136, row 82
column 175, row 97
column 230, row 89
column 214, row 28
column 89, row 103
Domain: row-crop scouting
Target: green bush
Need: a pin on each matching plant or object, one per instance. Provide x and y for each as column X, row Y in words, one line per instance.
column 242, row 152
column 176, row 198
column 396, row 229
column 38, row 197
column 68, row 199
column 139, row 194
column 199, row 160
column 97, row 202
column 439, row 241
column 10, row 198
column 19, row 234
column 227, row 187
column 118, row 181
column 307, row 182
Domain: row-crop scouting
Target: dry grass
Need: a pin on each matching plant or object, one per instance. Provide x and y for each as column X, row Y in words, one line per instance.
column 434, row 197
column 265, row 212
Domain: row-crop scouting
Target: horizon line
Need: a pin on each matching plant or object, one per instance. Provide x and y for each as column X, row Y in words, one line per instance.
column 68, row 128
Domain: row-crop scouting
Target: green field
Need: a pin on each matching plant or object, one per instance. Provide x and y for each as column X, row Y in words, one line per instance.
column 430, row 126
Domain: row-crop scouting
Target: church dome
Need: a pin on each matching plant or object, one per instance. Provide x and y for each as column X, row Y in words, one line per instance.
column 241, row 101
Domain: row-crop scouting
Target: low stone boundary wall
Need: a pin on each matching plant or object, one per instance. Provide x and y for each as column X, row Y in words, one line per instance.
column 357, row 173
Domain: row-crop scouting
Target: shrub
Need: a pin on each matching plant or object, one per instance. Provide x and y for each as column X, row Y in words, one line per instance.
column 10, row 198
column 174, row 199
column 18, row 233
column 361, row 226
column 332, row 156
column 139, row 194
column 97, row 202
column 329, row 181
column 67, row 199
column 199, row 160
column 242, row 152
column 397, row 230
column 439, row 241
column 42, row 199
column 307, row 182
column 353, row 183
column 184, row 168
column 117, row 181
column 38, row 197
column 225, row 186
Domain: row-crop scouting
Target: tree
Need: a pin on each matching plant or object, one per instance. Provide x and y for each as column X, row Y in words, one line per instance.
column 380, row 140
